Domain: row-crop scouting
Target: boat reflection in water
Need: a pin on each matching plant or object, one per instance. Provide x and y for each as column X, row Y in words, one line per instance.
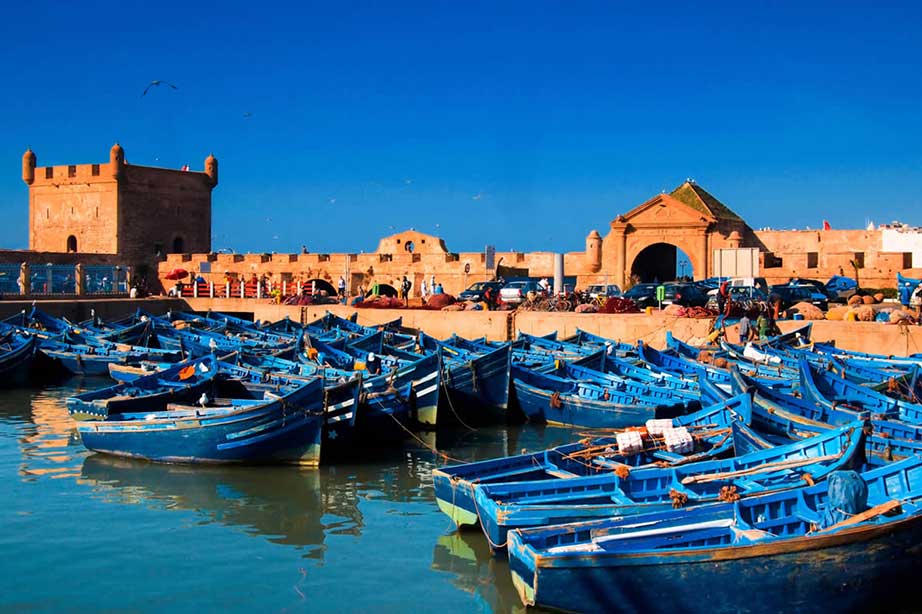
column 286, row 505
column 466, row 556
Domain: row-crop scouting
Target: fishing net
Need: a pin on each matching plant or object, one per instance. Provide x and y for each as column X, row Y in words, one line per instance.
column 848, row 495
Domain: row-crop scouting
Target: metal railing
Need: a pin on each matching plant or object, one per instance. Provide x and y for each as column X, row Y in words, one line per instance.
column 62, row 280
column 104, row 279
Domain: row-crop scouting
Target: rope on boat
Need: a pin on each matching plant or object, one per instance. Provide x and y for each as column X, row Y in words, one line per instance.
column 493, row 544
column 432, row 449
column 679, row 499
column 451, row 406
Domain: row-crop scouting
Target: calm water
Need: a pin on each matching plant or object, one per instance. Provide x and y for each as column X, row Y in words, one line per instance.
column 88, row 533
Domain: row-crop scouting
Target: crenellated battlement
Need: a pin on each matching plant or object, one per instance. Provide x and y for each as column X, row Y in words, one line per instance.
column 140, row 213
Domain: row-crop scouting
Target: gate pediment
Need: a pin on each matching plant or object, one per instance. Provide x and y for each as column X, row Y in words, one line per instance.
column 663, row 211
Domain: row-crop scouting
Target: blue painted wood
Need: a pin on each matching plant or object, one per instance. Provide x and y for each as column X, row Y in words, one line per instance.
column 454, row 485
column 281, row 427
column 505, row 506
column 731, row 557
column 179, row 382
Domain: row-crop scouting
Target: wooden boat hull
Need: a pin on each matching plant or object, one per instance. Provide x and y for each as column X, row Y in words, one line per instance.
column 286, row 430
column 864, row 572
column 507, row 506
column 778, row 552
column 454, row 486
column 478, row 384
column 15, row 363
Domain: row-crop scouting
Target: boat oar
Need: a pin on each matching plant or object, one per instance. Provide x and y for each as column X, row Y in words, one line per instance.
column 877, row 510
column 786, row 464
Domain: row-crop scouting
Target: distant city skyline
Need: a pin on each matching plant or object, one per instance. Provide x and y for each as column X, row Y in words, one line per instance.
column 522, row 125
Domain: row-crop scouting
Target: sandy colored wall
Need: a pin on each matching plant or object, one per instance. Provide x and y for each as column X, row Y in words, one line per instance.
column 628, row 328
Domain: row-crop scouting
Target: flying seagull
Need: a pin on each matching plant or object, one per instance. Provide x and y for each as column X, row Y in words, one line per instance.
column 155, row 83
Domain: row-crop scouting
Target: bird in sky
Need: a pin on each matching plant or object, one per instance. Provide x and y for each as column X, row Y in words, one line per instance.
column 476, row 196
column 248, row 114
column 156, row 83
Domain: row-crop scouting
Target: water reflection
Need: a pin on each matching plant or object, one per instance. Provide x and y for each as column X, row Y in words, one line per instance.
column 286, row 505
column 301, row 510
column 466, row 556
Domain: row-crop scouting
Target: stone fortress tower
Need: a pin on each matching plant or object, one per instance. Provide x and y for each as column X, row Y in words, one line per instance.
column 138, row 213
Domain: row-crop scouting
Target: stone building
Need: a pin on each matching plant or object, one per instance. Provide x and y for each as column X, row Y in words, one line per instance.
column 639, row 245
column 138, row 214
column 119, row 213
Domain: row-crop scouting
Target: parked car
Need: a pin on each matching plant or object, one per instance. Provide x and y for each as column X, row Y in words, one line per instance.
column 738, row 294
column 515, row 292
column 475, row 292
column 756, row 282
column 791, row 294
column 711, row 283
column 643, row 295
column 684, row 294
column 597, row 290
column 840, row 288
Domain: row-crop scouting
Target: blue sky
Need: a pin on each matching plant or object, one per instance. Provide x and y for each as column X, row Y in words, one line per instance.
column 521, row 124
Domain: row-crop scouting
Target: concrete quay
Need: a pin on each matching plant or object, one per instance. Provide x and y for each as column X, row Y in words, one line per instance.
column 871, row 337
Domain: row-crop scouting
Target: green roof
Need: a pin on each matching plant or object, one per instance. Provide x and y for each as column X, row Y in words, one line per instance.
column 700, row 200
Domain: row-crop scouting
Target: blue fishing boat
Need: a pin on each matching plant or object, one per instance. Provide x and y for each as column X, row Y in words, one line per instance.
column 612, row 346
column 796, row 418
column 95, row 360
column 544, row 397
column 778, row 371
column 17, row 350
column 283, row 426
column 474, row 384
column 505, row 506
column 454, row 485
column 828, row 389
column 341, row 396
column 737, row 557
column 179, row 383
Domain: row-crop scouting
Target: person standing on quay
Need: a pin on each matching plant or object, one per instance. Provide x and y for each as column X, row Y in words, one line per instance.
column 342, row 287
column 745, row 329
column 423, row 290
column 915, row 301
column 405, row 286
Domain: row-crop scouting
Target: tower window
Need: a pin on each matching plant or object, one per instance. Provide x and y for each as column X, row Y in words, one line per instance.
column 49, row 172
column 813, row 259
column 71, row 244
column 72, row 171
column 95, row 170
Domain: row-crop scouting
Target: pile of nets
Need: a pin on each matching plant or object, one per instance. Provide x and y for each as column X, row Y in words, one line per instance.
column 808, row 311
column 586, row 308
column 690, row 312
column 381, row 302
column 438, row 301
column 617, row 304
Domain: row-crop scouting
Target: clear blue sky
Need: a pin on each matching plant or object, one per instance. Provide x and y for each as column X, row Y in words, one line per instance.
column 523, row 124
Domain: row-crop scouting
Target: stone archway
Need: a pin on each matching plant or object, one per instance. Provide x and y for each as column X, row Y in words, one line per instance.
column 658, row 262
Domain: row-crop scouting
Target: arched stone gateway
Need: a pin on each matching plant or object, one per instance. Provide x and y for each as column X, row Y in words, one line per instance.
column 645, row 239
column 657, row 262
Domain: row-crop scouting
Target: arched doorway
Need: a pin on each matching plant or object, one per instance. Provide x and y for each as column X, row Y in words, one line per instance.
column 72, row 244
column 178, row 245
column 661, row 262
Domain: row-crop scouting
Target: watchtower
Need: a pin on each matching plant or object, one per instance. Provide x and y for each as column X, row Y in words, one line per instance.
column 139, row 213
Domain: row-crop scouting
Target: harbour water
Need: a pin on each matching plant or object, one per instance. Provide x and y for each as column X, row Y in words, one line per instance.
column 88, row 533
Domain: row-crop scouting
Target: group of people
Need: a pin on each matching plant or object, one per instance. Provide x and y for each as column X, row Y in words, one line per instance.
column 763, row 328
column 430, row 289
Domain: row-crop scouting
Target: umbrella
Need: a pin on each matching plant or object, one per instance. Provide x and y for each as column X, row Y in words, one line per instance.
column 177, row 274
